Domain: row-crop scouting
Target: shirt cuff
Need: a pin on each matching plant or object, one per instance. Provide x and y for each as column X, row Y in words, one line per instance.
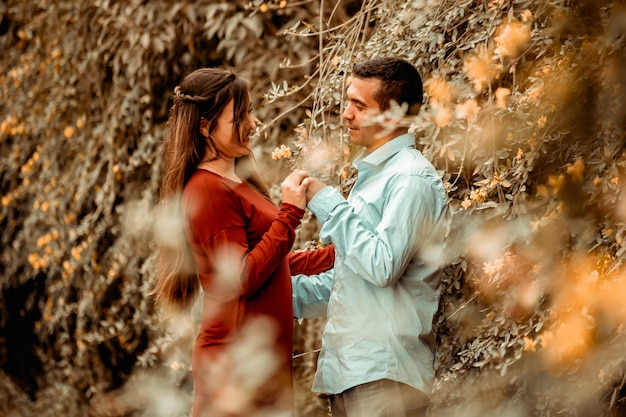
column 324, row 202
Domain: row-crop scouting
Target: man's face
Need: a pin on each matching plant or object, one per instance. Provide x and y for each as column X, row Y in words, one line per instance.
column 359, row 112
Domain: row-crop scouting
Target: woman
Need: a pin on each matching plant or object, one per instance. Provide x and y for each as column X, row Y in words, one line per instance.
column 235, row 246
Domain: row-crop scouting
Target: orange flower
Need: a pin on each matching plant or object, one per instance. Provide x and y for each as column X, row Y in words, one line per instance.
column 442, row 116
column 281, row 152
column 527, row 16
column 481, row 70
column 512, row 40
column 68, row 132
column 501, row 95
column 467, row 110
column 529, row 344
column 439, row 90
column 542, row 121
column 576, row 171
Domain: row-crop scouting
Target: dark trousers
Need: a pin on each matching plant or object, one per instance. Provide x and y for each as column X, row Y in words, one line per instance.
column 383, row 398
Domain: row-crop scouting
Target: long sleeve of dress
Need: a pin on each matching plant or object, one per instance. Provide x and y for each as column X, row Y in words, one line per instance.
column 220, row 226
column 312, row 262
column 253, row 265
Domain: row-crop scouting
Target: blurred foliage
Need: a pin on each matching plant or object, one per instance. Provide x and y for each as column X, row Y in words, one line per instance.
column 524, row 119
column 85, row 92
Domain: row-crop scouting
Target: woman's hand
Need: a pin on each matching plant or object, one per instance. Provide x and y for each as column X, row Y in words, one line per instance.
column 294, row 187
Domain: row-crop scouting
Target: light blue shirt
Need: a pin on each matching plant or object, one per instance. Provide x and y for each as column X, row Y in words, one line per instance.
column 382, row 294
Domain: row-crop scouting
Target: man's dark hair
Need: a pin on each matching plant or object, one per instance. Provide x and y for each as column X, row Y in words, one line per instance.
column 400, row 81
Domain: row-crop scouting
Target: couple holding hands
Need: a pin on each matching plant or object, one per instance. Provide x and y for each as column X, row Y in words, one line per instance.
column 376, row 282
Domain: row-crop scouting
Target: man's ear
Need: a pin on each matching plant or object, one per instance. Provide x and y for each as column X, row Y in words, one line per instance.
column 204, row 127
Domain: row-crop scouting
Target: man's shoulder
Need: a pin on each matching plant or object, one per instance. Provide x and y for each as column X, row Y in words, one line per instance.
column 412, row 167
column 412, row 161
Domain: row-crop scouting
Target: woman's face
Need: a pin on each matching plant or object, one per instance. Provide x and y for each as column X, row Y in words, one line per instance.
column 224, row 133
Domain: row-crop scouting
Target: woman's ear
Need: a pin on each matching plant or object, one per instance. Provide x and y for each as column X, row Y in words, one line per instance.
column 204, row 127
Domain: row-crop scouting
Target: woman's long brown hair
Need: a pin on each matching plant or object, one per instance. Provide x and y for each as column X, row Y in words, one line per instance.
column 203, row 93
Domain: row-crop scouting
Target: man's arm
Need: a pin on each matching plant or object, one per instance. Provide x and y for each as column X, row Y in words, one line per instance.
column 310, row 294
column 380, row 253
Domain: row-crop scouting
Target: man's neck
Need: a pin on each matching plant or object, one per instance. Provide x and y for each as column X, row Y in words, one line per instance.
column 380, row 142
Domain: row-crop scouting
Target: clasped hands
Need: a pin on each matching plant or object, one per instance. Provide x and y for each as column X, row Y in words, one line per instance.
column 299, row 188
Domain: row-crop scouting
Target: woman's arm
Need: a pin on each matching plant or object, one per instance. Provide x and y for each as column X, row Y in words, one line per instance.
column 312, row 262
column 245, row 268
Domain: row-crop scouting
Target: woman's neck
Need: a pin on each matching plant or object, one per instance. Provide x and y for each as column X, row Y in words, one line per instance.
column 224, row 167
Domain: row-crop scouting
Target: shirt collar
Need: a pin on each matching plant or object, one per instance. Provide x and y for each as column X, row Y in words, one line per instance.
column 386, row 151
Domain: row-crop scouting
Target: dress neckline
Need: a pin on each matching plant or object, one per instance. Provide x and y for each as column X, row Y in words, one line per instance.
column 237, row 181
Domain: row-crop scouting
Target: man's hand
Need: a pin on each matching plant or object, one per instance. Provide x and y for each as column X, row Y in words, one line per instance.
column 313, row 187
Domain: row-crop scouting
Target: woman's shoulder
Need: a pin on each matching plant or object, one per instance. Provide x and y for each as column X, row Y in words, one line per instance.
column 203, row 180
column 206, row 190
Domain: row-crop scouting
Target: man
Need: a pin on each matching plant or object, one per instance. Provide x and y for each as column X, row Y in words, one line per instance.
column 382, row 294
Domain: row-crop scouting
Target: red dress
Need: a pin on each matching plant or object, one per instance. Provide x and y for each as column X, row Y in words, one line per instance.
column 241, row 244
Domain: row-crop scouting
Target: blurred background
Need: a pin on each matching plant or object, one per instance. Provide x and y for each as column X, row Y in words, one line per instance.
column 525, row 119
